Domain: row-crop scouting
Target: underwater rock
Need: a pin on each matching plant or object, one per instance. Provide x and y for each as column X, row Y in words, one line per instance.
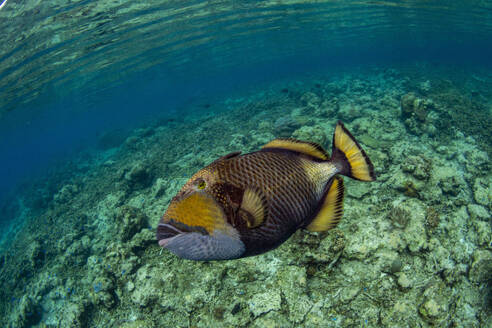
column 138, row 177
column 432, row 219
column 132, row 143
column 74, row 314
column 330, row 247
column 159, row 188
column 328, row 108
column 27, row 313
column 414, row 233
column 435, row 307
column 285, row 126
column 141, row 240
column 419, row 166
column 424, row 87
column 119, row 260
column 78, row 252
column 147, row 288
column 130, row 220
column 478, row 212
column 482, row 191
column 262, row 303
column 415, row 114
column 102, row 292
column 311, row 133
column 451, row 185
column 403, row 281
column 483, row 232
column 407, row 184
column 359, row 191
column 311, row 103
column 292, row 281
column 139, row 323
column 36, row 254
column 238, row 142
column 348, row 112
column 310, row 99
column 481, row 267
column 66, row 193
column 477, row 162
column 413, row 107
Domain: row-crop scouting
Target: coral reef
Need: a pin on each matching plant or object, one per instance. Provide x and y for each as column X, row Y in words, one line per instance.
column 413, row 248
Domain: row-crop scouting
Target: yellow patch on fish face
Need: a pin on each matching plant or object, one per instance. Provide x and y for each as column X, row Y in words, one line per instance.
column 197, row 210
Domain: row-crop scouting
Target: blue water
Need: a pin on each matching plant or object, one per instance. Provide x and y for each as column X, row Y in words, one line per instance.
column 223, row 51
column 73, row 71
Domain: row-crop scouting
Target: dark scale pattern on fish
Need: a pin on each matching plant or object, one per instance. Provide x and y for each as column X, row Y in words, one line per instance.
column 291, row 196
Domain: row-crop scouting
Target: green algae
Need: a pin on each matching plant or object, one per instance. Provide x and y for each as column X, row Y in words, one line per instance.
column 415, row 246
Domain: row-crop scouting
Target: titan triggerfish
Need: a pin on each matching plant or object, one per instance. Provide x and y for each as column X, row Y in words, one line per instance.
column 244, row 205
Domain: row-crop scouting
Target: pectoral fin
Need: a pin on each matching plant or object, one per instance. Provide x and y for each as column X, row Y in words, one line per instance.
column 253, row 207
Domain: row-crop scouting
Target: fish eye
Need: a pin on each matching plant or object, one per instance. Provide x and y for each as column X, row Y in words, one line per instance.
column 201, row 184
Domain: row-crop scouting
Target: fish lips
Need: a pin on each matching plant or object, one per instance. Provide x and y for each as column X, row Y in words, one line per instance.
column 166, row 232
column 192, row 245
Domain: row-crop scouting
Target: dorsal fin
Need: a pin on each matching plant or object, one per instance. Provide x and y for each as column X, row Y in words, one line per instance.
column 331, row 210
column 304, row 147
column 253, row 207
column 228, row 156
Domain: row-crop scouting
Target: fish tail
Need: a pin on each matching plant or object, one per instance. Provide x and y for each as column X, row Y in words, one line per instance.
column 349, row 157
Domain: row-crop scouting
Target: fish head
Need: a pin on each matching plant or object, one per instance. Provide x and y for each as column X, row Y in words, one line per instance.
column 195, row 225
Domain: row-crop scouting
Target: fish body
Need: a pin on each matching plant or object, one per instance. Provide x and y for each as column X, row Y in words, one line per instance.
column 244, row 205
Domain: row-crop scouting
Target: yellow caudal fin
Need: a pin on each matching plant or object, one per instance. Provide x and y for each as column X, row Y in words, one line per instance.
column 331, row 210
column 349, row 157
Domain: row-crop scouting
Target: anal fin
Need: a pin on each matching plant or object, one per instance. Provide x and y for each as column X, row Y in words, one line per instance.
column 331, row 210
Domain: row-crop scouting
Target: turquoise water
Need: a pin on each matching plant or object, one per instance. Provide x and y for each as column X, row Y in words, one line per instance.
column 108, row 107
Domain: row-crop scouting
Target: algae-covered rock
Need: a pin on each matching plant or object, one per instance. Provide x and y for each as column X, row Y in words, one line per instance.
column 292, row 281
column 483, row 231
column 139, row 176
column 102, row 291
column 482, row 191
column 139, row 323
column 414, row 107
column 262, row 303
column 141, row 240
column 478, row 212
column 36, row 254
column 27, row 313
column 419, row 166
column 66, row 193
column 311, row 133
column 73, row 314
column 159, row 188
column 435, row 306
column 359, row 191
column 481, row 267
column 414, row 233
column 129, row 221
column 285, row 126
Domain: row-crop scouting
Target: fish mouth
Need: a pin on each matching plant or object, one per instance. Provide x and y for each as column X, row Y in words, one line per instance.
column 172, row 229
column 166, row 232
